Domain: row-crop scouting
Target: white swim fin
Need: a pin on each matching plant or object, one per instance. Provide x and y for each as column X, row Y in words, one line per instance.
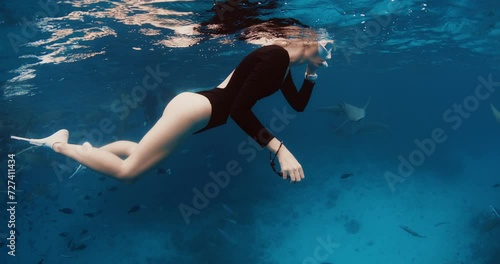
column 60, row 136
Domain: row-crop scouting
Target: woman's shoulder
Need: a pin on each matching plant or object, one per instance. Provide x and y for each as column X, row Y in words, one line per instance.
column 273, row 48
column 273, row 51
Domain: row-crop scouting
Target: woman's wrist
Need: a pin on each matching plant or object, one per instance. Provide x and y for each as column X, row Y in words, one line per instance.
column 311, row 69
column 274, row 145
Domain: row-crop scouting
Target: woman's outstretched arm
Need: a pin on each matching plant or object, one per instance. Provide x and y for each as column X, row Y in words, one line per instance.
column 267, row 73
column 241, row 112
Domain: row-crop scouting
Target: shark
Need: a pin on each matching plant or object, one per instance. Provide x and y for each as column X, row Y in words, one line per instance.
column 350, row 112
column 495, row 112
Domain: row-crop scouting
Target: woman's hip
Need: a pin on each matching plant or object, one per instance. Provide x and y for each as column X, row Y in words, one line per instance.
column 191, row 107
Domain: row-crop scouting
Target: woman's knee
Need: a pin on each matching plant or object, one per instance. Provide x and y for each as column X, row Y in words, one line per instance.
column 128, row 173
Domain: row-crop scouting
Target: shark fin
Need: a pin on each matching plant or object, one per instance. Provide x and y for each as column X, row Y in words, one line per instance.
column 367, row 102
column 339, row 127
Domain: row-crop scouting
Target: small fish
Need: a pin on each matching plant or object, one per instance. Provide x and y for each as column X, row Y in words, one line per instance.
column 231, row 221
column 134, row 209
column 161, row 171
column 66, row 210
column 112, row 189
column 228, row 209
column 84, row 231
column 441, row 223
column 346, row 175
column 1, row 243
column 89, row 214
column 79, row 247
column 411, row 232
column 99, row 193
column 40, row 262
column 85, row 239
column 17, row 232
column 86, row 197
column 63, row 234
column 70, row 243
column 102, row 178
column 226, row 236
column 496, row 185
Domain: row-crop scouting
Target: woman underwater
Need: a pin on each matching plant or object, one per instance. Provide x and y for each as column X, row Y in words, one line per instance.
column 260, row 74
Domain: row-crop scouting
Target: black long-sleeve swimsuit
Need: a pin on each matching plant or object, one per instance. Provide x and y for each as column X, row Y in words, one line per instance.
column 260, row 74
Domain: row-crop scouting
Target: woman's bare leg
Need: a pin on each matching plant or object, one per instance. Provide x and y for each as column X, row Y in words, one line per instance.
column 122, row 148
column 185, row 114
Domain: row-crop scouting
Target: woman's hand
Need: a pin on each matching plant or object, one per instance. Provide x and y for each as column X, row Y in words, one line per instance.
column 290, row 167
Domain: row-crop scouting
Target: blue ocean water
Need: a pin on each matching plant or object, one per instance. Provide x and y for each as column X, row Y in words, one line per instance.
column 424, row 186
